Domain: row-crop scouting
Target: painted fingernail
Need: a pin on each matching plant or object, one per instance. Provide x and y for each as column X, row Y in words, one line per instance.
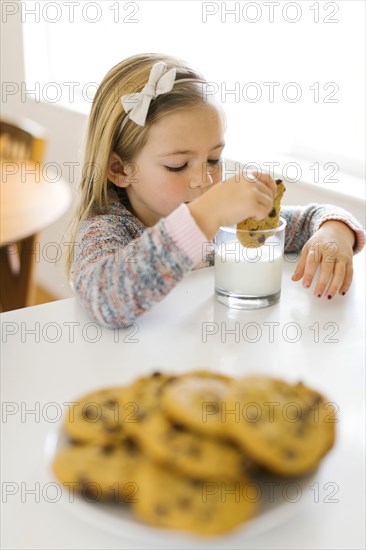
column 329, row 297
column 343, row 293
column 318, row 295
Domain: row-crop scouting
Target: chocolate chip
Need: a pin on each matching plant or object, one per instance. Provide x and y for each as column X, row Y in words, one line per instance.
column 110, row 403
column 261, row 239
column 196, row 482
column 89, row 490
column 244, row 464
column 130, row 446
column 310, row 408
column 76, row 442
column 107, row 449
column 193, row 450
column 290, row 454
column 141, row 415
column 272, row 213
column 184, row 502
column 111, row 428
column 316, row 400
column 156, row 374
column 178, row 427
column 251, row 233
column 83, row 482
column 161, row 510
column 89, row 413
column 278, row 182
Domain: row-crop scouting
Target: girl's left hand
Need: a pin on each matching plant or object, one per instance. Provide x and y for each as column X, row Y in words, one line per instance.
column 330, row 248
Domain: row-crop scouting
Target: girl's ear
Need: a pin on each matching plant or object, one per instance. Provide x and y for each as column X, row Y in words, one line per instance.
column 116, row 171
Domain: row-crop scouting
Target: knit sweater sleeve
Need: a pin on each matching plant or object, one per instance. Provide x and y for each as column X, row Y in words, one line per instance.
column 303, row 222
column 121, row 269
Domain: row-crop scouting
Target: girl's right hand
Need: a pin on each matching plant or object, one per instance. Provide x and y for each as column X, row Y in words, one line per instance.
column 228, row 203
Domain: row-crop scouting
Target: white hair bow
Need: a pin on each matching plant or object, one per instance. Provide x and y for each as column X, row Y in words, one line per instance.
column 160, row 82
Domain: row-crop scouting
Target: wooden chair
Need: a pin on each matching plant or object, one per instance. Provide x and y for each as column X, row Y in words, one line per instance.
column 20, row 140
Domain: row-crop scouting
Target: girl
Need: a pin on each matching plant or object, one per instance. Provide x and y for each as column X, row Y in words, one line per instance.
column 152, row 195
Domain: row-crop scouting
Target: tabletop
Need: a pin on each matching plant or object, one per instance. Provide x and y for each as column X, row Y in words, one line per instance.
column 53, row 353
column 32, row 198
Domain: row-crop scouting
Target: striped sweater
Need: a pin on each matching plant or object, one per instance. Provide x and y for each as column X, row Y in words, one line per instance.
column 121, row 268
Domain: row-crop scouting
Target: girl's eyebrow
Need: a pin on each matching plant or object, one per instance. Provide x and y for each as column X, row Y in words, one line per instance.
column 187, row 152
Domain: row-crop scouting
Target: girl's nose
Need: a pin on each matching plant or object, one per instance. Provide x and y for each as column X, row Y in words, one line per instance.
column 201, row 178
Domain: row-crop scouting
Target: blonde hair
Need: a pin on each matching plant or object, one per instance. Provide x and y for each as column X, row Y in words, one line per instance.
column 105, row 121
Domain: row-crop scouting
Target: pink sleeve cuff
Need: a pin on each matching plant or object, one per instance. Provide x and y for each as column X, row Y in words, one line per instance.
column 185, row 232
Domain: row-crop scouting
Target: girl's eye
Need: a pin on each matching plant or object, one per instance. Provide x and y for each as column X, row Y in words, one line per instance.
column 176, row 168
column 180, row 168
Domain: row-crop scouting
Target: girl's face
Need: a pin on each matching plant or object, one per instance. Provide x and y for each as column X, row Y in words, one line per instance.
column 179, row 162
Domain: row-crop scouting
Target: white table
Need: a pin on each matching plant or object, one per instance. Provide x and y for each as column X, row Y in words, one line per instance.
column 66, row 355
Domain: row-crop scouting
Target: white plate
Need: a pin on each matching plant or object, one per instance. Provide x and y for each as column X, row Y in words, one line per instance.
column 280, row 500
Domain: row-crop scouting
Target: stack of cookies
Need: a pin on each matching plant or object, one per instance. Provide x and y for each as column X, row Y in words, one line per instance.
column 186, row 451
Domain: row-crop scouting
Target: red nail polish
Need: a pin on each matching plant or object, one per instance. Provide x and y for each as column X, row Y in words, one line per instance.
column 319, row 295
column 329, row 297
column 343, row 293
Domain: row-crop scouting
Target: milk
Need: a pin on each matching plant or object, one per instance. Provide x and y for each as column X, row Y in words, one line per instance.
column 249, row 271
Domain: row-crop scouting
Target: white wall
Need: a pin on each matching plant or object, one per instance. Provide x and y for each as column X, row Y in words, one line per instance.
column 66, row 130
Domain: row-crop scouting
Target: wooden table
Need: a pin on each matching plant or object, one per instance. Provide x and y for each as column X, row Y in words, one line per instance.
column 30, row 199
column 53, row 353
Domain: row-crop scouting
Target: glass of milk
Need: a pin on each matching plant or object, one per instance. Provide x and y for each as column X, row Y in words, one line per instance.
column 249, row 277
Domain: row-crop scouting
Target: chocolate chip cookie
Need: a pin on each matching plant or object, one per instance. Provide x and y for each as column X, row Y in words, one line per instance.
column 189, row 453
column 97, row 417
column 99, row 472
column 286, row 428
column 195, row 401
column 246, row 230
column 166, row 499
column 144, row 397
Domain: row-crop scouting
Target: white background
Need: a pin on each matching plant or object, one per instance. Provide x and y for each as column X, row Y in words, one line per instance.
column 310, row 54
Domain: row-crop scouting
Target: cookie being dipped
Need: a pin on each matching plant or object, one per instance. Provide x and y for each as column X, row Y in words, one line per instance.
column 253, row 233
